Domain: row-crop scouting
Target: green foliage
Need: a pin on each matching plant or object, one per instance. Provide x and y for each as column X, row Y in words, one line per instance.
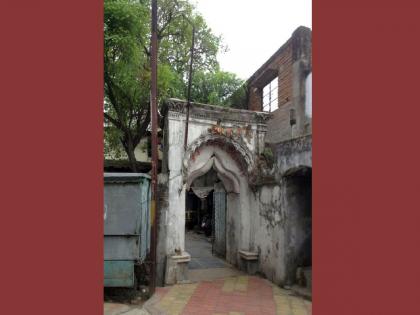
column 112, row 148
column 238, row 99
column 127, row 65
column 126, row 76
column 269, row 156
column 214, row 87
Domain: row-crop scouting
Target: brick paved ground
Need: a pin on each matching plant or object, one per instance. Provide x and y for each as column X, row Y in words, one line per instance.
column 120, row 309
column 241, row 295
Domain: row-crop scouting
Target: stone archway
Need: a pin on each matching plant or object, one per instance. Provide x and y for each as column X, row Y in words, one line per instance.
column 231, row 165
column 225, row 140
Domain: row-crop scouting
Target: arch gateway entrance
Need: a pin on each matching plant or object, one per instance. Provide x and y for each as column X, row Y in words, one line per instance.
column 226, row 142
column 223, row 166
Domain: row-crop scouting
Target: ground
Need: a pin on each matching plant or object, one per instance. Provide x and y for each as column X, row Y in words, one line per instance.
column 216, row 289
column 117, row 309
column 241, row 295
column 199, row 247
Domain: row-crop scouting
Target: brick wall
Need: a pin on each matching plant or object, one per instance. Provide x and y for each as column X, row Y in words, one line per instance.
column 280, row 65
column 255, row 99
column 284, row 64
column 290, row 63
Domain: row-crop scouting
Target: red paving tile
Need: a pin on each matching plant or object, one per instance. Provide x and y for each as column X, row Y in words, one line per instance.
column 252, row 296
column 209, row 298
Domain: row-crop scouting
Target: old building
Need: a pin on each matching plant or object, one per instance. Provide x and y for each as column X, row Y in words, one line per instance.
column 255, row 163
column 283, row 86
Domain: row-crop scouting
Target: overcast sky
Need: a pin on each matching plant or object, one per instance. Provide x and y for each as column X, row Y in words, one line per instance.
column 253, row 29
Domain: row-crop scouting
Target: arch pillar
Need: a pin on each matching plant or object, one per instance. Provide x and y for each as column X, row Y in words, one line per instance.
column 232, row 169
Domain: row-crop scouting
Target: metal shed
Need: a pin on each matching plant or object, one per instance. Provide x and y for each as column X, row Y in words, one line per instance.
column 126, row 226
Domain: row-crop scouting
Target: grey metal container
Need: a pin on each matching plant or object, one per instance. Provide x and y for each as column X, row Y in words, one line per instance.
column 126, row 226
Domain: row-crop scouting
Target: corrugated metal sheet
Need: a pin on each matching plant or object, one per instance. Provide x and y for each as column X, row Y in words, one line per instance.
column 126, row 224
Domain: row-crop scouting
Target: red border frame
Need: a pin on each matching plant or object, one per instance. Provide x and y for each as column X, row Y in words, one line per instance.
column 366, row 157
column 365, row 160
column 51, row 157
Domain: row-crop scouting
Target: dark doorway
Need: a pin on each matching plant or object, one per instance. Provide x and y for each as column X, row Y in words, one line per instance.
column 205, row 222
column 199, row 213
column 299, row 204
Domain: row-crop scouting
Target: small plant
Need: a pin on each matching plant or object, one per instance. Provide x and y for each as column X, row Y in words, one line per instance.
column 269, row 156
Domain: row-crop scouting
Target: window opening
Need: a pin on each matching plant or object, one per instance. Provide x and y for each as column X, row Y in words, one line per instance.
column 270, row 96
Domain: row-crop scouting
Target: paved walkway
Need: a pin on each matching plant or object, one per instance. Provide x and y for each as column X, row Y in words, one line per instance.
column 204, row 265
column 216, row 289
column 241, row 295
column 120, row 309
column 199, row 247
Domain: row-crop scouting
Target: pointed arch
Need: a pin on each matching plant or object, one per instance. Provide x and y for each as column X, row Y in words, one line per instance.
column 238, row 151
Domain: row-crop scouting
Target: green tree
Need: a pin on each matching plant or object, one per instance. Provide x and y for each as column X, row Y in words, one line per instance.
column 127, row 65
column 215, row 87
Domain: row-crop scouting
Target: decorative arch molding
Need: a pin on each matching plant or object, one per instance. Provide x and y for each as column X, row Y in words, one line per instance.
column 237, row 151
column 223, row 148
column 230, row 179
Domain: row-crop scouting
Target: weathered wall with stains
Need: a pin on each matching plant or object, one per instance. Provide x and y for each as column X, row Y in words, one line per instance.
column 268, row 235
column 293, row 154
column 281, row 227
column 261, row 217
column 227, row 140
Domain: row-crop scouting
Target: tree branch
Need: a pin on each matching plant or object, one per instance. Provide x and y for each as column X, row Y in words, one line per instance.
column 114, row 121
column 142, row 125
